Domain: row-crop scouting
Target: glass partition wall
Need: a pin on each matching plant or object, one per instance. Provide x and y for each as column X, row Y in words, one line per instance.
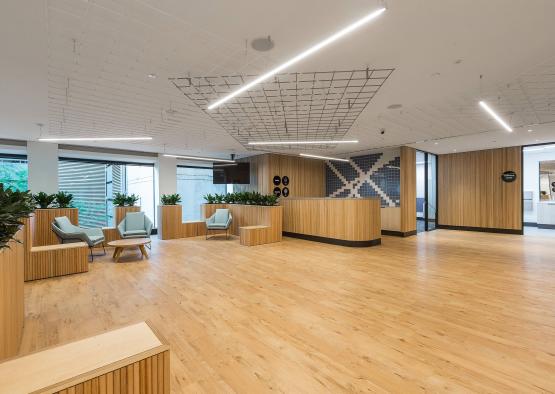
column 14, row 171
column 94, row 183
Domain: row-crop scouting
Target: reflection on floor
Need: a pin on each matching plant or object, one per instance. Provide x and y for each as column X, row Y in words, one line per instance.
column 544, row 232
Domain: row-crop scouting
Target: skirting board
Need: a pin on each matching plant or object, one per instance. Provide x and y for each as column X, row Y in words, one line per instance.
column 334, row 241
column 398, row 233
column 481, row 229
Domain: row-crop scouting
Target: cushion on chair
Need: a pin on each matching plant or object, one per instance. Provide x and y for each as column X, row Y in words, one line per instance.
column 220, row 217
column 135, row 232
column 64, row 224
column 135, row 221
column 96, row 239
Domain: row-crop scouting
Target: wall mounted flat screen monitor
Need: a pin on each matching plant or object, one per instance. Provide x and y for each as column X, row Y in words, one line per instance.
column 231, row 173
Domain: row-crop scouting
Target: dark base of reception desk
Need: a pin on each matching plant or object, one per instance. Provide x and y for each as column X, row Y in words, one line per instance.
column 334, row 241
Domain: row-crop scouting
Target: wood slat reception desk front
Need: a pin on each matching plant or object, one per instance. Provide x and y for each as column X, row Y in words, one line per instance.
column 341, row 221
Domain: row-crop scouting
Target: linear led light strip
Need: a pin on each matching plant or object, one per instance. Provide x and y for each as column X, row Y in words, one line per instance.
column 304, row 142
column 300, row 56
column 96, row 139
column 200, row 158
column 495, row 116
column 322, row 157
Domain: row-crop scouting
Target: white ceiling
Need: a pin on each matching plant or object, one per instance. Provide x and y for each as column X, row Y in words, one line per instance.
column 80, row 67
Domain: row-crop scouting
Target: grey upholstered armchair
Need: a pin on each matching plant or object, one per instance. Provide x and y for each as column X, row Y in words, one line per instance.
column 220, row 220
column 135, row 225
column 68, row 233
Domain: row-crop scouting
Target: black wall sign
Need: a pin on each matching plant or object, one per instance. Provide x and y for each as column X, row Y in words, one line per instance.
column 285, row 191
column 277, row 180
column 285, row 180
column 277, row 191
column 509, row 176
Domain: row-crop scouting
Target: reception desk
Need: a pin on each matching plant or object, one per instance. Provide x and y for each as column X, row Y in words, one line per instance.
column 340, row 221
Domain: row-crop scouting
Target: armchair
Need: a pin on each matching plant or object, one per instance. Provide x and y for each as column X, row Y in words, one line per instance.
column 68, row 233
column 135, row 225
column 220, row 220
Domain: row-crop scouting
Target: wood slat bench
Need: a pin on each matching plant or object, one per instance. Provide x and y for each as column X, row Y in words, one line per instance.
column 132, row 359
column 56, row 260
column 254, row 235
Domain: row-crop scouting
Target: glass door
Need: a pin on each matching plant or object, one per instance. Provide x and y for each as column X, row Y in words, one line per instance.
column 426, row 191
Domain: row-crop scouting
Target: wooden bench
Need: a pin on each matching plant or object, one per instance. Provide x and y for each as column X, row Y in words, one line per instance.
column 254, row 235
column 132, row 359
column 56, row 260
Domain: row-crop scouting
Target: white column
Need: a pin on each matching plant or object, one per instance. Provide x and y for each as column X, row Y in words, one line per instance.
column 166, row 168
column 43, row 167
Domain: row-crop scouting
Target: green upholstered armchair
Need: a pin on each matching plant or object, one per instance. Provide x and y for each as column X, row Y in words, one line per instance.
column 135, row 225
column 220, row 220
column 68, row 232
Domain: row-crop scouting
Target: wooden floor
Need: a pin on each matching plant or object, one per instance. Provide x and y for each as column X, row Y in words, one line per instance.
column 446, row 310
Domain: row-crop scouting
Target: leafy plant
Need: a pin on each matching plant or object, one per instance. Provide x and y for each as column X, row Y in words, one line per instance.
column 131, row 200
column 247, row 198
column 43, row 200
column 14, row 206
column 170, row 199
column 119, row 199
column 210, row 199
column 63, row 199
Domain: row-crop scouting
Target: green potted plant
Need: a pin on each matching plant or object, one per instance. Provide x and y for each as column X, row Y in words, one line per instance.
column 119, row 199
column 170, row 199
column 209, row 198
column 14, row 206
column 219, row 198
column 63, row 199
column 43, row 200
column 131, row 200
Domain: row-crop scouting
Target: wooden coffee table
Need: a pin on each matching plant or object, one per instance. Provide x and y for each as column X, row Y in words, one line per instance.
column 128, row 243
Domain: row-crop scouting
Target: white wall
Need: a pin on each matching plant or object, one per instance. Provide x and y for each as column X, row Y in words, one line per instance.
column 531, row 178
column 166, row 168
column 43, row 166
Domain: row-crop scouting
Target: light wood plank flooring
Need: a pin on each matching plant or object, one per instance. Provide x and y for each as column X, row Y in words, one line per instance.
column 447, row 310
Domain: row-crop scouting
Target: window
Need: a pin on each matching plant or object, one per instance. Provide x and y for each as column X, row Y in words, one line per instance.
column 193, row 183
column 93, row 184
column 14, row 171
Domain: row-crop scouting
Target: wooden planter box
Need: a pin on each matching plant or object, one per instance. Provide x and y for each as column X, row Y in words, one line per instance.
column 252, row 216
column 11, row 297
column 42, row 224
column 171, row 225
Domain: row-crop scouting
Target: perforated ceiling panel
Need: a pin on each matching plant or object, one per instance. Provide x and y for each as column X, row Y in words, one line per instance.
column 292, row 106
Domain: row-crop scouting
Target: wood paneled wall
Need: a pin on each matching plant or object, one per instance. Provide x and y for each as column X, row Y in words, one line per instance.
column 408, row 190
column 11, row 296
column 42, row 224
column 471, row 192
column 306, row 176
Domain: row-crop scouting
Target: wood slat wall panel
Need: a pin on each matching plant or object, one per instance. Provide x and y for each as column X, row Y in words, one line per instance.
column 11, row 296
column 349, row 219
column 172, row 227
column 42, row 225
column 306, row 176
column 471, row 192
column 391, row 218
column 408, row 189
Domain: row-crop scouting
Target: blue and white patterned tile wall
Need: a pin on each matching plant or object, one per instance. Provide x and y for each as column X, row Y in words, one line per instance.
column 371, row 175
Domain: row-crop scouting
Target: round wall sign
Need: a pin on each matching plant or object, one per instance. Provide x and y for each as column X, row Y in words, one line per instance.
column 552, row 184
column 277, row 191
column 285, row 191
column 277, row 180
column 508, row 176
column 285, row 180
